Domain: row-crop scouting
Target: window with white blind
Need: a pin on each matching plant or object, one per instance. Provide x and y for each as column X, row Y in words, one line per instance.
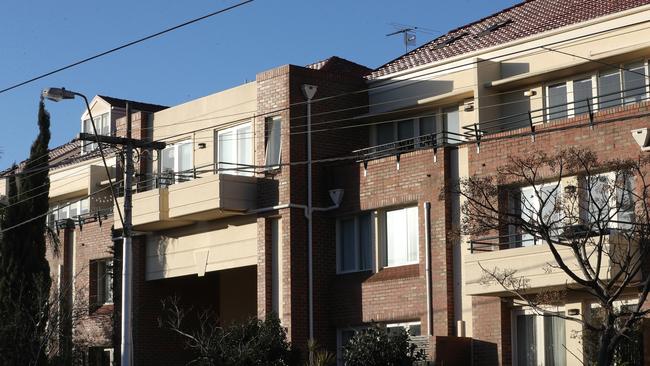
column 235, row 150
column 401, row 236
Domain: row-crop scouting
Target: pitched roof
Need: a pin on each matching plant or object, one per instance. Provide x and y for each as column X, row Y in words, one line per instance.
column 521, row 20
column 138, row 106
column 337, row 64
column 63, row 155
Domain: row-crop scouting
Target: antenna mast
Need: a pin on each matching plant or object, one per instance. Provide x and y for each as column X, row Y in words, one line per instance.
column 408, row 34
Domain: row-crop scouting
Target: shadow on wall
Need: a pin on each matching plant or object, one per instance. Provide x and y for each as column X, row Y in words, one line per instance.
column 485, row 353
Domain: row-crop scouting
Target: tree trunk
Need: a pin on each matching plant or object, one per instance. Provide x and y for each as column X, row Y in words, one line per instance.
column 606, row 345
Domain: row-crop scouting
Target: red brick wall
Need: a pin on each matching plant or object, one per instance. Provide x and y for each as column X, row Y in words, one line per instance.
column 279, row 93
column 399, row 293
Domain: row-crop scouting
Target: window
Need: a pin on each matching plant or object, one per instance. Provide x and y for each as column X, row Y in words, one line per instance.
column 634, row 81
column 102, row 270
column 401, row 237
column 557, row 101
column 413, row 329
column 527, row 204
column 609, row 89
column 610, row 200
column 273, row 142
column 582, row 96
column 103, row 125
column 447, row 119
column 98, row 356
column 539, row 340
column 65, row 210
column 235, row 149
column 354, row 241
column 176, row 163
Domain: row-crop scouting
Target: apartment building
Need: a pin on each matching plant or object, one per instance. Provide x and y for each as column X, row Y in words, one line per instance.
column 221, row 214
column 539, row 76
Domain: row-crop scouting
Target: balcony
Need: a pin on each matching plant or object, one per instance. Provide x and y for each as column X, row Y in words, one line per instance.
column 186, row 202
column 429, row 141
column 530, row 258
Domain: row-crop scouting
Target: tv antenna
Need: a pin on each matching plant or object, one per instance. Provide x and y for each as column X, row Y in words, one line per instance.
column 408, row 36
column 408, row 33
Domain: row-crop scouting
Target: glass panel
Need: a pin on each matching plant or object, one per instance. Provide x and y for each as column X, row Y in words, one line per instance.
column 634, row 83
column 63, row 212
column 554, row 341
column 105, row 124
column 273, row 144
column 365, row 242
column 427, row 125
column 528, row 207
column 582, row 96
column 526, row 341
column 245, row 147
column 385, row 133
column 600, row 190
column 625, row 204
column 451, row 121
column 405, row 130
column 347, row 261
column 412, row 226
column 557, row 102
column 227, row 152
column 184, row 161
column 85, row 206
column 74, row 209
column 396, row 238
column 550, row 213
column 609, row 89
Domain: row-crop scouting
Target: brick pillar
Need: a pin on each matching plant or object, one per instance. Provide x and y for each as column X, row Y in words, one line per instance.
column 492, row 340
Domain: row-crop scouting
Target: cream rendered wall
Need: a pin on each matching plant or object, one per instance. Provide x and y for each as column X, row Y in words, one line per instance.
column 217, row 111
column 203, row 247
column 79, row 180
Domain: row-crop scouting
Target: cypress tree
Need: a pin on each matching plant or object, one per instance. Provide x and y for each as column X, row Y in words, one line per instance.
column 24, row 271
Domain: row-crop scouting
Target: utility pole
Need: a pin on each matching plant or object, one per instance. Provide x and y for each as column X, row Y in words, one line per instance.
column 129, row 144
column 127, row 267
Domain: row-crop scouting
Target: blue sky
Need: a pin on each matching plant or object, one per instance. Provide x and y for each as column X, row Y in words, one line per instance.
column 215, row 54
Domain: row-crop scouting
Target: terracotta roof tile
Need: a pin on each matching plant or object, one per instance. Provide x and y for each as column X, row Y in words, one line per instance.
column 519, row 21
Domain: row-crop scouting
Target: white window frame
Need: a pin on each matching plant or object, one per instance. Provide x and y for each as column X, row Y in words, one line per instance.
column 100, row 123
column 53, row 213
column 407, row 326
column 595, row 81
column 539, row 332
column 535, row 206
column 383, row 242
column 439, row 118
column 236, row 129
column 175, row 146
column 357, row 244
column 613, row 200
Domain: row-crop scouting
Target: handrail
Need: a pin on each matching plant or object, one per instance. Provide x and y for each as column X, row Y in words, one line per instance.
column 540, row 115
column 433, row 140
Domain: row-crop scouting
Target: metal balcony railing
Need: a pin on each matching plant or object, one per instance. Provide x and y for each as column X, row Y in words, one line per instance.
column 434, row 140
column 534, row 117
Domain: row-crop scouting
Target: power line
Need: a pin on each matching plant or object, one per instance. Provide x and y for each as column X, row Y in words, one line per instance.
column 129, row 44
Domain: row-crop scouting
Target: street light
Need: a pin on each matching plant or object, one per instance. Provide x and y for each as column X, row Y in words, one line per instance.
column 57, row 95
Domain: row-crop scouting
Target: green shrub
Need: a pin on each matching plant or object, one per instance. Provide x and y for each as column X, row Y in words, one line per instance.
column 375, row 347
